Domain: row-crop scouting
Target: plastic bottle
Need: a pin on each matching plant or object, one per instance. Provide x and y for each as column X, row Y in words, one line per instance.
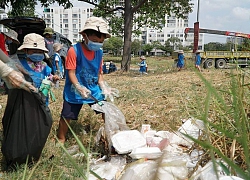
column 145, row 127
column 45, row 87
column 57, row 84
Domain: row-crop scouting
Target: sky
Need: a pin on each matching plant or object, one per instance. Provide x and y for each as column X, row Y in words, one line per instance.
column 225, row 15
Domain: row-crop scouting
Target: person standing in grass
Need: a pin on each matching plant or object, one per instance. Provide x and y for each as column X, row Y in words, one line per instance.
column 198, row 60
column 143, row 65
column 57, row 65
column 180, row 62
column 84, row 79
column 34, row 48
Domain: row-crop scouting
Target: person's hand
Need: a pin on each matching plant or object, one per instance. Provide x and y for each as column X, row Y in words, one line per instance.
column 55, row 77
column 108, row 91
column 16, row 80
column 82, row 90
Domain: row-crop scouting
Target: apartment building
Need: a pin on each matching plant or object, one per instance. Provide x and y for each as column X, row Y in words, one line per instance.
column 3, row 15
column 68, row 22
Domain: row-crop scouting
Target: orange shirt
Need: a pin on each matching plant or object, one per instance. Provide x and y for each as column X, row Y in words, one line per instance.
column 70, row 62
column 2, row 44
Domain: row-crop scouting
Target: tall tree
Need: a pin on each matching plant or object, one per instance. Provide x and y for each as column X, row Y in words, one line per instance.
column 136, row 47
column 122, row 17
column 147, row 48
column 27, row 10
column 19, row 6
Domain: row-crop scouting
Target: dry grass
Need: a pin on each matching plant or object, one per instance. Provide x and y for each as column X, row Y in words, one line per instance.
column 163, row 97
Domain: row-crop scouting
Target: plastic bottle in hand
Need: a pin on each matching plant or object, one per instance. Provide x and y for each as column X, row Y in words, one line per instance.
column 45, row 87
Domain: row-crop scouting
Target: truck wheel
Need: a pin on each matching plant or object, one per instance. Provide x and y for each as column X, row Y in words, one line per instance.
column 243, row 66
column 220, row 64
column 209, row 63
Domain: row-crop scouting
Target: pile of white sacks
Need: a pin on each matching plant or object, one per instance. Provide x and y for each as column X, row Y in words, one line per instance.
column 158, row 155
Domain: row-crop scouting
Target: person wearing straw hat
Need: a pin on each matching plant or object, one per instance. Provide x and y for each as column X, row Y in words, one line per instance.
column 57, row 66
column 49, row 41
column 7, row 38
column 181, row 58
column 13, row 78
column 143, row 65
column 34, row 48
column 84, row 80
column 197, row 60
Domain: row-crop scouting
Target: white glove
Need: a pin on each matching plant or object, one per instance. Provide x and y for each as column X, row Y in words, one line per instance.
column 108, row 91
column 4, row 69
column 14, row 79
column 82, row 90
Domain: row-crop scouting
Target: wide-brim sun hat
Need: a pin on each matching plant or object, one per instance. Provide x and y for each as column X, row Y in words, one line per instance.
column 143, row 57
column 57, row 46
column 33, row 41
column 97, row 24
column 13, row 35
column 48, row 30
column 197, row 51
column 181, row 51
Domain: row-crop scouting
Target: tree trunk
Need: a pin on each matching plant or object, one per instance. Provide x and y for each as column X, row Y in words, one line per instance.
column 128, row 24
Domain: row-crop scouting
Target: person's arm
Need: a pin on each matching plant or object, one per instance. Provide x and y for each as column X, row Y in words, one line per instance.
column 14, row 79
column 57, row 66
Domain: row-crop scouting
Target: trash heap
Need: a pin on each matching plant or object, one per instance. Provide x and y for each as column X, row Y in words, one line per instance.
column 160, row 155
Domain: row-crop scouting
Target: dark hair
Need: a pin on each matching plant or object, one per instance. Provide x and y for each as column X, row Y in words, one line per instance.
column 91, row 32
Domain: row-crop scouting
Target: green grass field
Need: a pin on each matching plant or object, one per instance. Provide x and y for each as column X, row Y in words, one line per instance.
column 164, row 97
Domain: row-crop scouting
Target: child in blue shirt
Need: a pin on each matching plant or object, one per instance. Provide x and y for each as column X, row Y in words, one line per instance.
column 143, row 65
column 181, row 57
column 198, row 60
column 34, row 48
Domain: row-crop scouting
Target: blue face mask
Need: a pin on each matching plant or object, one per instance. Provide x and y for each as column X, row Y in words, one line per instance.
column 35, row 57
column 94, row 46
column 8, row 41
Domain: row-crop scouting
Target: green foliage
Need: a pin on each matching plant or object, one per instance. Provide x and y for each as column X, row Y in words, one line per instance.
column 113, row 44
column 27, row 7
column 167, row 47
column 245, row 46
column 136, row 46
column 231, row 125
column 147, row 48
column 174, row 41
column 216, row 46
column 110, row 9
column 23, row 8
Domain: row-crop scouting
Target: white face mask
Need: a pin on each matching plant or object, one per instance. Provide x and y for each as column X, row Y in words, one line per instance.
column 93, row 46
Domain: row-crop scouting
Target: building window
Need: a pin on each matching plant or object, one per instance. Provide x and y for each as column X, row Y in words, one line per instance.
column 74, row 26
column 74, row 16
column 66, row 25
column 46, row 10
column 65, row 20
column 65, row 15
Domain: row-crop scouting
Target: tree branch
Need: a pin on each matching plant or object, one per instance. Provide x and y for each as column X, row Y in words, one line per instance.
column 135, row 8
column 106, row 9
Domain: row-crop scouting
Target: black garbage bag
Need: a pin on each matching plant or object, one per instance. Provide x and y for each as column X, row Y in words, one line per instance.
column 26, row 123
